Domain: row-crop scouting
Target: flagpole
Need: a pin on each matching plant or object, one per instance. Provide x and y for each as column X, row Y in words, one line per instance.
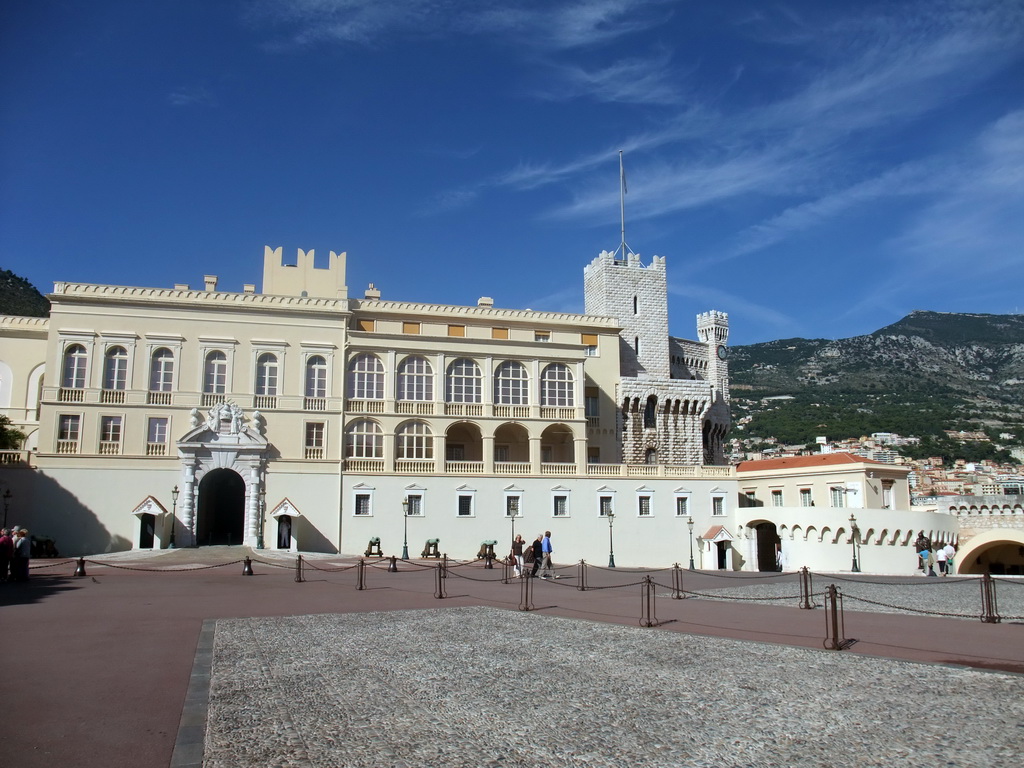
column 622, row 202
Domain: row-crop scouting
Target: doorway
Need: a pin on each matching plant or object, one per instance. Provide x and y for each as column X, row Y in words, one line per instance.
column 220, row 516
column 147, row 529
column 768, row 543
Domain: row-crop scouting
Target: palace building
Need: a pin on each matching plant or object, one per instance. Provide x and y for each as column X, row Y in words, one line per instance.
column 301, row 418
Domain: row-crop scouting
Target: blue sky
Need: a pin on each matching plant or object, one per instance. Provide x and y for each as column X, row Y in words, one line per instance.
column 815, row 169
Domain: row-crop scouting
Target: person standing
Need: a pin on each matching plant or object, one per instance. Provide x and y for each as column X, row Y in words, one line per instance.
column 940, row 558
column 545, row 546
column 950, row 551
column 6, row 551
column 22, row 554
column 538, row 555
column 517, row 554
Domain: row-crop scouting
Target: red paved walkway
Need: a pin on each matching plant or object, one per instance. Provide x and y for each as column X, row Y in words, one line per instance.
column 96, row 668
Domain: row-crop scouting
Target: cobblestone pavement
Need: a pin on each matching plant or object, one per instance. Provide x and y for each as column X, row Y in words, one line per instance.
column 460, row 687
column 949, row 597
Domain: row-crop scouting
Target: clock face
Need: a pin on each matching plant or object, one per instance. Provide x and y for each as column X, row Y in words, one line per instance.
column 722, row 352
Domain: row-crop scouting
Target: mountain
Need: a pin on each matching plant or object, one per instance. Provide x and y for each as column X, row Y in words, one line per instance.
column 19, row 297
column 926, row 373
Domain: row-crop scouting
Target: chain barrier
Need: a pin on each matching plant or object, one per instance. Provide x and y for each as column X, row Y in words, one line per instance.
column 48, row 565
column 1014, row 582
column 157, row 570
column 931, row 582
column 922, row 611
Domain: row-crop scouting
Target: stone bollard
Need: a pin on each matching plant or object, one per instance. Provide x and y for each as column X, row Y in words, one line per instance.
column 393, row 568
column 80, row 570
column 247, row 567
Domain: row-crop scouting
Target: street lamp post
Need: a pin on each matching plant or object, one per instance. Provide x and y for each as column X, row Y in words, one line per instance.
column 854, row 536
column 261, row 503
column 174, row 514
column 611, row 543
column 405, row 528
column 7, row 503
column 689, row 524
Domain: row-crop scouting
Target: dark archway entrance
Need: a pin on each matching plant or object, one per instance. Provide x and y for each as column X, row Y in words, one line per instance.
column 147, row 528
column 768, row 542
column 221, row 509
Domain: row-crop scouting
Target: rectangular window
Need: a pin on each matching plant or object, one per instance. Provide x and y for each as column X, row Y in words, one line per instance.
column 457, row 330
column 512, row 504
column 362, row 504
column 367, row 325
column 777, row 499
column 499, row 333
column 717, row 506
column 415, row 505
column 805, row 498
column 110, row 429
column 465, row 506
column 542, row 335
column 413, row 328
column 593, row 455
column 589, row 341
column 68, row 428
column 838, row 497
column 604, row 505
column 561, row 506
column 644, row 506
column 156, row 430
column 682, row 506
column 591, row 403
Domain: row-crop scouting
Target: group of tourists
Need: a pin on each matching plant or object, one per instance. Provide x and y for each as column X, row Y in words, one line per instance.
column 15, row 552
column 536, row 555
column 928, row 557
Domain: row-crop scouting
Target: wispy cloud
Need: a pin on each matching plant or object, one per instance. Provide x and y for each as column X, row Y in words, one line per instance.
column 712, row 296
column 642, row 80
column 186, row 96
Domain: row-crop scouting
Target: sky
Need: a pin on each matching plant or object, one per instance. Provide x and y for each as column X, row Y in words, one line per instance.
column 816, row 168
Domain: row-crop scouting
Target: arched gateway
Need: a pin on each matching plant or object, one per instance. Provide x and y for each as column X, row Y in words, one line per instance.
column 223, row 468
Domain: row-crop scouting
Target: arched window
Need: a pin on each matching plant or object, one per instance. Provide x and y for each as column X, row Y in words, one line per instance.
column 161, row 371
column 414, row 440
column 651, row 412
column 316, row 377
column 651, row 456
column 364, row 440
column 415, row 380
column 511, row 384
column 366, row 377
column 75, row 362
column 215, row 373
column 266, row 374
column 556, row 386
column 465, row 382
column 115, row 368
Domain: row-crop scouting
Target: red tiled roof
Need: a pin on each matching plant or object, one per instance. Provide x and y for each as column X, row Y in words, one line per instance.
column 803, row 462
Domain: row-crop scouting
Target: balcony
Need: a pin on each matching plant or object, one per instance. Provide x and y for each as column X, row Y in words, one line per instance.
column 158, row 398
column 317, row 404
column 264, row 402
column 415, row 466
column 464, row 467
column 210, row 399
column 415, row 408
column 511, row 467
column 112, row 396
column 314, row 453
column 547, row 469
column 67, row 446
column 512, row 411
column 463, row 409
column 71, row 395
column 110, row 448
column 366, row 406
column 156, row 449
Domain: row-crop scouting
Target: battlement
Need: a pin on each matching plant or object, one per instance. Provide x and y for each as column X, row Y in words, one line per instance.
column 303, row 278
column 713, row 327
column 607, row 259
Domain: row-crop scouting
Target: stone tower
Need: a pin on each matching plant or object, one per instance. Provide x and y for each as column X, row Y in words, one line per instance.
column 672, row 393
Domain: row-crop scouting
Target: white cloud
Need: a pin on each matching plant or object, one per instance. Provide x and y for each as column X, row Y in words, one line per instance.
column 629, row 81
column 187, row 96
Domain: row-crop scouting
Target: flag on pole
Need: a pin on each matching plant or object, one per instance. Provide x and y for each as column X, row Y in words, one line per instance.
column 622, row 174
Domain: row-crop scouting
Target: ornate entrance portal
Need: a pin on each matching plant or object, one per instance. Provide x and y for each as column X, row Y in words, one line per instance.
column 223, row 461
column 220, row 518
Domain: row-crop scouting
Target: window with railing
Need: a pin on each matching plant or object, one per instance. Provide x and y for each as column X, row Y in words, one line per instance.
column 161, row 377
column 644, row 506
column 215, row 374
column 364, row 440
column 415, row 508
column 464, row 383
column 316, row 433
column 604, row 506
column 316, row 379
column 366, row 377
column 718, row 506
column 560, row 505
column 511, row 384
column 110, row 435
column 682, row 506
column 415, row 380
column 115, row 375
column 68, row 433
column 266, row 375
column 363, row 504
column 76, row 363
column 556, row 386
column 156, row 436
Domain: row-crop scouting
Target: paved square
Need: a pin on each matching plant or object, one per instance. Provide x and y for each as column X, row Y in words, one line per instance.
column 469, row 687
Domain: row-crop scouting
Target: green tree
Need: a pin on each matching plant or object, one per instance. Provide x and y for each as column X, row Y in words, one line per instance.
column 10, row 438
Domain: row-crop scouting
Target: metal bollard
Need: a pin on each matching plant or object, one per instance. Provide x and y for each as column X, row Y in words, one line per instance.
column 677, row 583
column 647, row 597
column 488, row 562
column 393, row 567
column 835, row 623
column 989, row 604
column 247, row 567
column 806, row 590
column 526, row 593
column 581, row 581
column 439, row 583
column 361, row 575
column 80, row 570
column 444, row 568
column 298, row 569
